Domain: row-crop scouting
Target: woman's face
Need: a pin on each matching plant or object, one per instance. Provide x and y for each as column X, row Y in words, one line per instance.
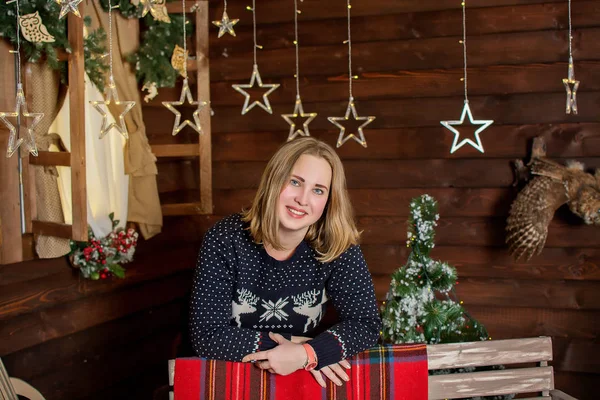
column 304, row 196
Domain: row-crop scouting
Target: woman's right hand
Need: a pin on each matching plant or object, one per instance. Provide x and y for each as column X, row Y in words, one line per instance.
column 300, row 339
column 333, row 372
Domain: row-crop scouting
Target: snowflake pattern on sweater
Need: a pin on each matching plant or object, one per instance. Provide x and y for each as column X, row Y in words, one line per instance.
column 240, row 294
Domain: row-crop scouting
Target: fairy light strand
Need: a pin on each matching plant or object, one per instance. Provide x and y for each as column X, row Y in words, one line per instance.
column 296, row 12
column 254, row 29
column 185, row 55
column 464, row 43
column 349, row 52
column 110, row 42
column 18, row 51
column 570, row 33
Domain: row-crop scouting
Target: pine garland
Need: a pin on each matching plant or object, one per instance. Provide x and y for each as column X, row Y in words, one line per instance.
column 35, row 52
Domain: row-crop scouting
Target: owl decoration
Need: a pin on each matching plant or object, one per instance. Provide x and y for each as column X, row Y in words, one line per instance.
column 158, row 10
column 178, row 58
column 33, row 29
column 551, row 186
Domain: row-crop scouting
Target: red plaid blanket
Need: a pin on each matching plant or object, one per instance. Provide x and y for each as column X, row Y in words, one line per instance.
column 397, row 372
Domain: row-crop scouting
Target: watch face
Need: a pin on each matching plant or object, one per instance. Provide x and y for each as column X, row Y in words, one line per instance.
column 311, row 366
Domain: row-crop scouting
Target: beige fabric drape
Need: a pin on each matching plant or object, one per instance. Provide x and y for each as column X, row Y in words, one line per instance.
column 44, row 86
column 140, row 163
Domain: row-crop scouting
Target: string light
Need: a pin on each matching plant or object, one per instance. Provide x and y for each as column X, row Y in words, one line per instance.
column 225, row 25
column 359, row 135
column 255, row 77
column 186, row 93
column 21, row 111
column 571, row 85
column 111, row 95
column 298, row 107
column 466, row 112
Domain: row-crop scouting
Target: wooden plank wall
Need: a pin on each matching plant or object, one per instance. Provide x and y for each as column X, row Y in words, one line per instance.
column 409, row 61
column 76, row 339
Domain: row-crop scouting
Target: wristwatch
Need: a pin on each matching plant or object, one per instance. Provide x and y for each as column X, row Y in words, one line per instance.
column 311, row 360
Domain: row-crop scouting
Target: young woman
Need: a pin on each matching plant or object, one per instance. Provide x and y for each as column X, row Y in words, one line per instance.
column 263, row 277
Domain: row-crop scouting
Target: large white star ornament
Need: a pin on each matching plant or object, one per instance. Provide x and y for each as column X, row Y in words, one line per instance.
column 266, row 105
column 343, row 137
column 21, row 109
column 226, row 25
column 450, row 126
column 102, row 107
column 67, row 6
column 298, row 112
column 186, row 94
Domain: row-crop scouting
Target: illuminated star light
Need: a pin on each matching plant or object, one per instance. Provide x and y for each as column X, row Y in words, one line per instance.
column 113, row 97
column 21, row 109
column 450, row 126
column 226, row 25
column 186, row 94
column 147, row 6
column 67, row 6
column 343, row 138
column 256, row 78
column 571, row 93
column 298, row 112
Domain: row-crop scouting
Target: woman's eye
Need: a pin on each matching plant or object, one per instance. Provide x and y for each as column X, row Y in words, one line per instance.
column 319, row 191
column 295, row 182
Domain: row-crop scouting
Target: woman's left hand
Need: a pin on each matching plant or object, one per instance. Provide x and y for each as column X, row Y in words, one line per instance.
column 283, row 359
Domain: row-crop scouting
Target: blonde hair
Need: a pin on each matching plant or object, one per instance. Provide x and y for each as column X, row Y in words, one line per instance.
column 334, row 232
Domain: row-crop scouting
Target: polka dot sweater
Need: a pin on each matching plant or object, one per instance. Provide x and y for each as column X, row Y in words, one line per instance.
column 240, row 294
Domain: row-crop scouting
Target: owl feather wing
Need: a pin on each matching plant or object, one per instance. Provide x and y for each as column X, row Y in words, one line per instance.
column 530, row 216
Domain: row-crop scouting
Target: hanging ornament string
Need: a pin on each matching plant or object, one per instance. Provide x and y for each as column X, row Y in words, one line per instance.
column 255, row 78
column 355, row 133
column 298, row 112
column 466, row 112
column 186, row 93
column 111, row 95
column 571, row 85
column 225, row 25
column 14, row 141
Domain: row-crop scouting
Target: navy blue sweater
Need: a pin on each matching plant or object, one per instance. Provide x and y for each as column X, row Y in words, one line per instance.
column 240, row 294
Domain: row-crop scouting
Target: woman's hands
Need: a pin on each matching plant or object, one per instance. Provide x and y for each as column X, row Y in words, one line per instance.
column 290, row 356
column 283, row 359
column 334, row 372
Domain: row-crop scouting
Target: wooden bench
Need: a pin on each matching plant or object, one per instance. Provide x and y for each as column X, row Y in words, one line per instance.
column 526, row 361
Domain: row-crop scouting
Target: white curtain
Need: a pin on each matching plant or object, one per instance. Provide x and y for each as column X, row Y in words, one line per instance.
column 107, row 183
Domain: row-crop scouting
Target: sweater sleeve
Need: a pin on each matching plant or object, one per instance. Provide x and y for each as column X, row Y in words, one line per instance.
column 351, row 290
column 211, row 332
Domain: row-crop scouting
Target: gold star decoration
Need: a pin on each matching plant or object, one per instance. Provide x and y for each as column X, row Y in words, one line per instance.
column 21, row 110
column 450, row 126
column 67, row 6
column 298, row 112
column 343, row 137
column 256, row 78
column 571, row 92
column 226, row 25
column 112, row 97
column 186, row 94
column 146, row 6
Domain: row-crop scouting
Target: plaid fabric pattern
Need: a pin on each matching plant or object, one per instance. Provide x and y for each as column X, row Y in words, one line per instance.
column 389, row 372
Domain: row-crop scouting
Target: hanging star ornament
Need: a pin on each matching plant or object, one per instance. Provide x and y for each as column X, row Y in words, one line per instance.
column 226, row 25
column 256, row 78
column 450, row 126
column 21, row 110
column 298, row 113
column 343, row 137
column 67, row 6
column 571, row 86
column 186, row 94
column 102, row 106
column 146, row 6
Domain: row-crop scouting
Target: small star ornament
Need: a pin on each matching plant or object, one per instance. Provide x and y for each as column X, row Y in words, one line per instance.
column 450, row 126
column 186, row 94
column 67, row 6
column 102, row 107
column 298, row 113
column 571, row 86
column 266, row 105
column 226, row 25
column 21, row 110
column 359, row 136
